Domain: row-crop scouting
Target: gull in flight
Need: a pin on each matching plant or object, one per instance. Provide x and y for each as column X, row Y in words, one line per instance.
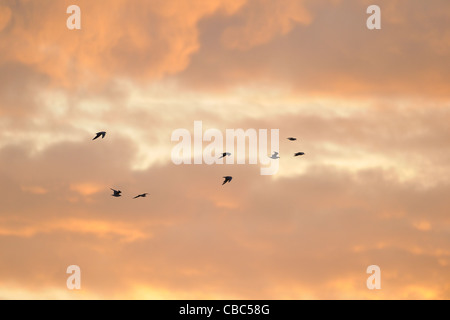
column 141, row 195
column 227, row 179
column 117, row 193
column 299, row 154
column 100, row 134
column 292, row 139
column 275, row 156
column 225, row 154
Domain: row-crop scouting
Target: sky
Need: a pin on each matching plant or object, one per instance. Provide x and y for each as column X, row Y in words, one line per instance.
column 370, row 109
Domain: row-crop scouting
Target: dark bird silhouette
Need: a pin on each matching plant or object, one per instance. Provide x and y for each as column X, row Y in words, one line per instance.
column 292, row 139
column 141, row 195
column 100, row 134
column 299, row 154
column 275, row 156
column 117, row 193
column 225, row 154
column 227, row 179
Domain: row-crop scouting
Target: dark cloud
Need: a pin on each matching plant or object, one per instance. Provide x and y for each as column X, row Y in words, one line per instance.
column 335, row 54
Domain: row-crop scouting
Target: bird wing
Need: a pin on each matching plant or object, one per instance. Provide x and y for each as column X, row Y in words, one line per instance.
column 116, row 192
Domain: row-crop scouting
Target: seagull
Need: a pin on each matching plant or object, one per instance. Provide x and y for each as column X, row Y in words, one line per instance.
column 141, row 195
column 292, row 139
column 117, row 193
column 275, row 156
column 299, row 154
column 225, row 154
column 100, row 134
column 227, row 179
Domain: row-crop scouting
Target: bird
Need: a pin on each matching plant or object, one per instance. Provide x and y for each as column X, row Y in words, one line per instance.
column 117, row 193
column 227, row 179
column 141, row 195
column 299, row 154
column 292, row 139
column 225, row 154
column 100, row 134
column 275, row 156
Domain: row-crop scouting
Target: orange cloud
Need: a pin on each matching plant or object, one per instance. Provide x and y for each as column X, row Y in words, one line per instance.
column 5, row 17
column 141, row 40
column 35, row 189
column 372, row 188
column 87, row 189
column 99, row 228
column 264, row 19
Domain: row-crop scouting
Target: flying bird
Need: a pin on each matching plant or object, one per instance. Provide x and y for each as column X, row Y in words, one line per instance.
column 275, row 156
column 117, row 193
column 299, row 154
column 225, row 154
column 292, row 139
column 100, row 134
column 227, row 179
column 141, row 195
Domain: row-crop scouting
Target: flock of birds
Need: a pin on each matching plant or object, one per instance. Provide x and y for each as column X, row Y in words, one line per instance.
column 118, row 193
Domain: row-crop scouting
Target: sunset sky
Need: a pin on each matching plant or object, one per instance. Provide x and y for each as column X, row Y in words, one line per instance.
column 370, row 108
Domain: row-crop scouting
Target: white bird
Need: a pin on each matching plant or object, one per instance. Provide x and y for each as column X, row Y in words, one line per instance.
column 225, row 154
column 275, row 156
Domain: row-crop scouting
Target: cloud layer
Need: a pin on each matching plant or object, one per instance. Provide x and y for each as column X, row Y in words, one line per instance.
column 370, row 110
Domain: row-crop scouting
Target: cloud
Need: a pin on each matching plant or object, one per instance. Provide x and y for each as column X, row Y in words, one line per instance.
column 262, row 20
column 144, row 41
column 310, row 235
column 87, row 188
column 334, row 54
column 369, row 109
column 98, row 228
column 5, row 17
column 317, row 48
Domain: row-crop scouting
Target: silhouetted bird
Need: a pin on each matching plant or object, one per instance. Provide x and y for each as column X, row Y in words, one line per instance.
column 141, row 195
column 227, row 179
column 275, row 156
column 117, row 193
column 299, row 154
column 225, row 154
column 100, row 134
column 292, row 139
